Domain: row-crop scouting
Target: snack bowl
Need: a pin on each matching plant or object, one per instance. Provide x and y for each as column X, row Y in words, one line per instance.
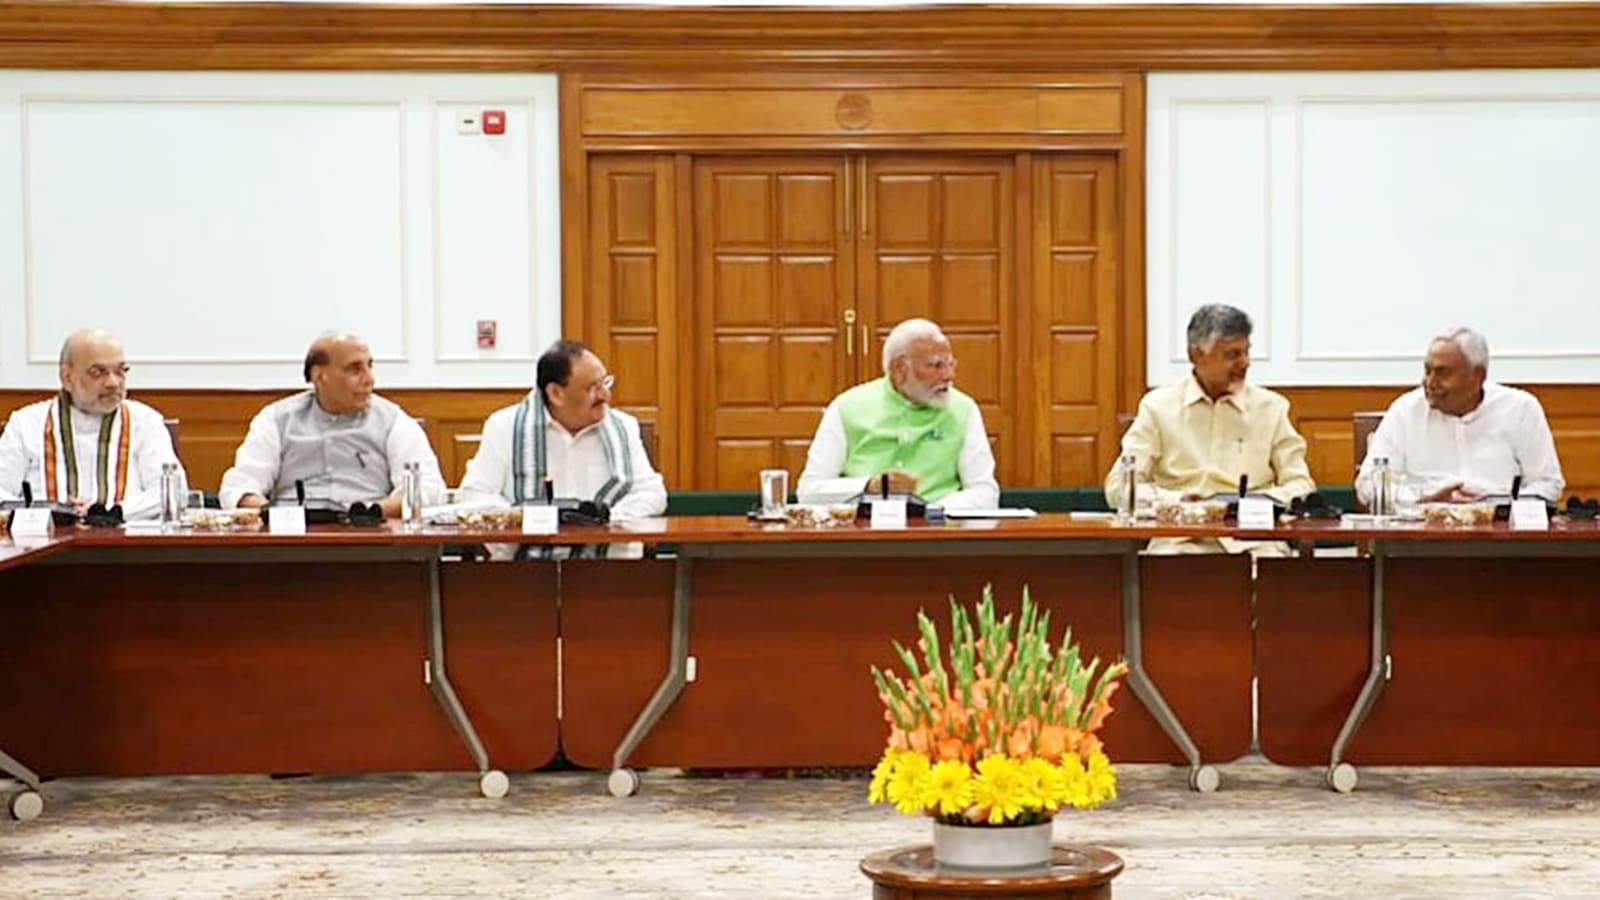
column 1458, row 515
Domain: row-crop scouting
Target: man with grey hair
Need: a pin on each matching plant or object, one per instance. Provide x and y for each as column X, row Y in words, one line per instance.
column 89, row 443
column 340, row 440
column 911, row 425
column 1460, row 436
column 1197, row 436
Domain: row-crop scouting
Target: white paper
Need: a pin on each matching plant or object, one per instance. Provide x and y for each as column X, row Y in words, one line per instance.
column 287, row 520
column 30, row 522
column 1529, row 514
column 888, row 513
column 541, row 519
column 1021, row 512
column 1256, row 512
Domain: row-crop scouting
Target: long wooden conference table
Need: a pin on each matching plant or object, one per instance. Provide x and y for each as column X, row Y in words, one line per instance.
column 745, row 645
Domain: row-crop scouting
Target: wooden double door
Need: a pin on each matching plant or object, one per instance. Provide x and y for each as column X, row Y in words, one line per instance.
column 738, row 294
column 803, row 264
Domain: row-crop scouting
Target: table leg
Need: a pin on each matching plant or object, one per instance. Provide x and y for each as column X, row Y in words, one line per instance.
column 623, row 781
column 1341, row 775
column 491, row 782
column 1202, row 777
column 27, row 803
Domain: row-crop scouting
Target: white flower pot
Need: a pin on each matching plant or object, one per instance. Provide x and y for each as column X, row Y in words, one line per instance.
column 991, row 846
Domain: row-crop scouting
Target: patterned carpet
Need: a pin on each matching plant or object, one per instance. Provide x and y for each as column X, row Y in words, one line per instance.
column 1269, row 833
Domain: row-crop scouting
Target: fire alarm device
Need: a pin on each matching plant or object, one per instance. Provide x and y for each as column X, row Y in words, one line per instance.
column 486, row 334
column 494, row 121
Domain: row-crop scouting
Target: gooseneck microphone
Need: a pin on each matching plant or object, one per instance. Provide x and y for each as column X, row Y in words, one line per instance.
column 27, row 495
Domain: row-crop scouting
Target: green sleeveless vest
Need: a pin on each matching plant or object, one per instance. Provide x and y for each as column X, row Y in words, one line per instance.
column 883, row 430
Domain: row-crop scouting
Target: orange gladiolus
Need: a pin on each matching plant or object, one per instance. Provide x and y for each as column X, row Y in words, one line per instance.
column 919, row 740
column 1090, row 746
column 1052, row 742
column 1019, row 745
column 951, row 748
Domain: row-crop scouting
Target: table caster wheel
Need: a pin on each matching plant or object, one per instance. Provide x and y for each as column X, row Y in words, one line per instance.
column 1342, row 778
column 494, row 784
column 26, row 806
column 623, row 783
column 1204, row 779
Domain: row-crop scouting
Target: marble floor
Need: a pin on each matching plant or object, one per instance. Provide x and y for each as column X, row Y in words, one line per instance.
column 1269, row 833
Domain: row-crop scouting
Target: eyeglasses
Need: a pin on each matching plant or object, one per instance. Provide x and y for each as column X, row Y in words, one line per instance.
column 99, row 372
column 603, row 385
column 941, row 363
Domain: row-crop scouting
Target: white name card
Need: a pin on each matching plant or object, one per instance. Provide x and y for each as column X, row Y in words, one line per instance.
column 1256, row 512
column 30, row 522
column 888, row 514
column 1529, row 514
column 541, row 520
column 287, row 520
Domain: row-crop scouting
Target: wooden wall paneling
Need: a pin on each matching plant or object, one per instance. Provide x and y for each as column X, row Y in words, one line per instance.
column 937, row 242
column 1024, row 343
column 357, row 36
column 1078, row 307
column 772, row 279
column 1129, row 260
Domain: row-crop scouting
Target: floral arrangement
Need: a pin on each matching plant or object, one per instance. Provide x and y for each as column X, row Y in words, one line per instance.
column 1002, row 731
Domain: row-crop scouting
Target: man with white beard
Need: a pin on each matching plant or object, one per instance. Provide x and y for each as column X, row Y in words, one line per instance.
column 911, row 425
column 89, row 443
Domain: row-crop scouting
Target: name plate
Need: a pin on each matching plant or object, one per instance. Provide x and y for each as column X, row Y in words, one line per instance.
column 1256, row 512
column 287, row 520
column 888, row 514
column 541, row 520
column 30, row 523
column 1529, row 514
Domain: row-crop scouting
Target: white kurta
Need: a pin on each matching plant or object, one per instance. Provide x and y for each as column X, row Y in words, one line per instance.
column 149, row 445
column 1506, row 436
column 576, row 464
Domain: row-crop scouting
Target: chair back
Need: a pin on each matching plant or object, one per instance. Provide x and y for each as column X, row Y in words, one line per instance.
column 1362, row 425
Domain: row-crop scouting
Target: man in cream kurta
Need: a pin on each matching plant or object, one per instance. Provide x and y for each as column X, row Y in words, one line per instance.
column 342, row 442
column 1197, row 435
column 88, row 444
column 566, row 430
column 1459, row 436
column 911, row 425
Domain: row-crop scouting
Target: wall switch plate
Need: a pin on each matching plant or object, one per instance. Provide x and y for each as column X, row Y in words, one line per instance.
column 468, row 123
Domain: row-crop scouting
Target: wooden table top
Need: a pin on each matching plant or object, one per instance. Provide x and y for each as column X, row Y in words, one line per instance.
column 739, row 530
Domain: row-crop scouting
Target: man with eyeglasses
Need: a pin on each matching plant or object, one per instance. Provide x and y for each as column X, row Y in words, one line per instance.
column 911, row 425
column 89, row 444
column 566, row 431
column 344, row 443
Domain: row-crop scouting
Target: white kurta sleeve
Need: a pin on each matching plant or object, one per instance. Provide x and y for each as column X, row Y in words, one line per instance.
column 407, row 443
column 151, row 446
column 820, row 482
column 1536, row 454
column 14, row 463
column 255, row 463
column 979, row 490
column 648, row 495
column 488, row 476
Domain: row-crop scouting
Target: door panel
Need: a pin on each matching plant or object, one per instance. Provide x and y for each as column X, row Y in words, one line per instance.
column 1075, row 257
column 774, row 266
column 937, row 242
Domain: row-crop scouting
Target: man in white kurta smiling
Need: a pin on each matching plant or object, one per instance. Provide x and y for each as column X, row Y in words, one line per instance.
column 89, row 443
column 1461, row 436
column 566, row 429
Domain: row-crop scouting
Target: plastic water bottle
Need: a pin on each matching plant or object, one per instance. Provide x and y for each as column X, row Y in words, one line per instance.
column 411, row 494
column 172, row 491
column 1128, row 477
column 1383, row 484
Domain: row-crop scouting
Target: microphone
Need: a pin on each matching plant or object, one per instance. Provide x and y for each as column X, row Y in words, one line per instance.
column 27, row 495
column 1516, row 486
column 299, row 492
column 1244, row 485
column 883, row 486
column 548, row 489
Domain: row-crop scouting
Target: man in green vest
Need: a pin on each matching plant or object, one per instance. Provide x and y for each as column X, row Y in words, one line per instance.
column 911, row 425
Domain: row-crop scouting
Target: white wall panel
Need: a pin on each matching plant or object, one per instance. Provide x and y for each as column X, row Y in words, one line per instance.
column 219, row 221
column 1399, row 204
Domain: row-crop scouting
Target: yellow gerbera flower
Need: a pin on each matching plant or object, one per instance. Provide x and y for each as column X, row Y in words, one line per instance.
column 1075, row 782
column 1101, row 778
column 1045, row 789
column 948, row 787
column 876, row 791
column 999, row 787
column 905, row 784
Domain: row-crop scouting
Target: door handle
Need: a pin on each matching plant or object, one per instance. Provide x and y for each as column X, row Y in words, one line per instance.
column 850, row 333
